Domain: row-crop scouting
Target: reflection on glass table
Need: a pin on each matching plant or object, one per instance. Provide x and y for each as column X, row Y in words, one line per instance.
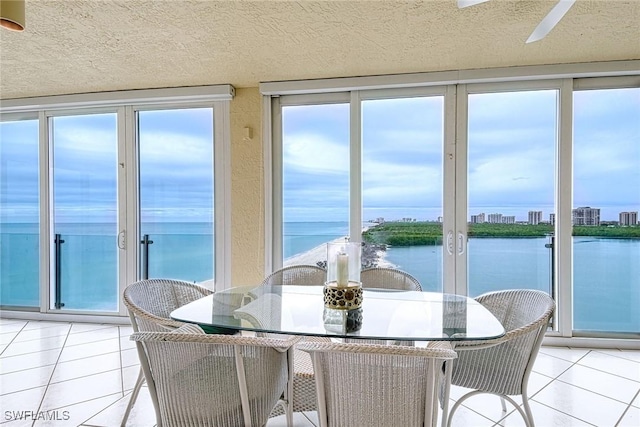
column 385, row 314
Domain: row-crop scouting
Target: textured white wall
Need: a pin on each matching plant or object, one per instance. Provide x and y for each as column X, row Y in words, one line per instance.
column 247, row 195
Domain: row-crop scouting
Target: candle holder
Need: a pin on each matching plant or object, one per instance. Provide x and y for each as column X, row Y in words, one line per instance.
column 343, row 289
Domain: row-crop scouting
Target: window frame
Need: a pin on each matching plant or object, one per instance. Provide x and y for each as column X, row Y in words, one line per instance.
column 125, row 104
column 565, row 78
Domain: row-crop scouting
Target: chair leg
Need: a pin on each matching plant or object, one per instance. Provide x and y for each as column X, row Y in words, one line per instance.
column 528, row 419
column 445, row 394
column 504, row 405
column 133, row 398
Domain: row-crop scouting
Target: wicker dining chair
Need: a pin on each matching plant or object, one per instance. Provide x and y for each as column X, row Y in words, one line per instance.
column 297, row 275
column 303, row 384
column 150, row 303
column 377, row 385
column 196, row 379
column 389, row 278
column 502, row 366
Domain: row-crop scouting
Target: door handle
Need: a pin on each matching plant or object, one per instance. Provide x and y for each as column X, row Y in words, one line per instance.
column 450, row 242
column 122, row 240
column 461, row 243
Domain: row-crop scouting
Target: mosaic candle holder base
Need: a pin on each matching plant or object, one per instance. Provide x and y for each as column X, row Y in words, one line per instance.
column 342, row 297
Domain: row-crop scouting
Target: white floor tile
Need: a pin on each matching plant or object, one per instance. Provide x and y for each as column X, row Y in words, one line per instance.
column 142, row 414
column 299, row 420
column 129, row 377
column 7, row 321
column 313, row 417
column 87, row 366
column 582, row 404
column 26, row 347
column 90, row 349
column 465, row 417
column 488, row 405
column 130, row 357
column 614, row 365
column 92, row 336
column 85, row 327
column 27, row 400
column 99, row 362
column 23, row 380
column 543, row 416
column 550, row 366
column 600, row 382
column 79, row 390
column 13, row 327
column 568, row 354
column 74, row 415
column 126, row 343
column 631, row 418
column 29, row 361
column 633, row 355
column 41, row 333
column 6, row 338
column 37, row 324
column 636, row 402
column 125, row 331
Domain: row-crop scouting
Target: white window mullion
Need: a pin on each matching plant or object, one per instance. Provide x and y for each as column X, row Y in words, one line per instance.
column 222, row 195
column 564, row 200
column 355, row 168
column 276, row 176
column 127, row 200
column 460, row 237
column 45, row 192
column 449, row 190
column 267, row 157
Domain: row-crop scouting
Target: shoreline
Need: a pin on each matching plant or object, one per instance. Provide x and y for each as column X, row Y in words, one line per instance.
column 318, row 254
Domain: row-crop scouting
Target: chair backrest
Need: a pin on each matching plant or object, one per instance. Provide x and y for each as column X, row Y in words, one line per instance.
column 367, row 384
column 297, row 275
column 151, row 301
column 503, row 365
column 389, row 278
column 196, row 379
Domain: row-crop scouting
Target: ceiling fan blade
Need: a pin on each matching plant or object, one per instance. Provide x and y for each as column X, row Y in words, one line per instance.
column 550, row 21
column 467, row 3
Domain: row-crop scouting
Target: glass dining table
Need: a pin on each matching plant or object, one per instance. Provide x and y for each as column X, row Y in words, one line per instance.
column 384, row 314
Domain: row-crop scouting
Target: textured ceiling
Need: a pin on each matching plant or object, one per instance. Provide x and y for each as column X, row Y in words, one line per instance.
column 91, row 46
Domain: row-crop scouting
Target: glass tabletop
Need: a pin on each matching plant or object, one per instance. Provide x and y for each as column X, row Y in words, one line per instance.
column 385, row 314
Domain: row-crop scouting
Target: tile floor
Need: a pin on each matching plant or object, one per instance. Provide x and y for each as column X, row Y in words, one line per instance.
column 82, row 374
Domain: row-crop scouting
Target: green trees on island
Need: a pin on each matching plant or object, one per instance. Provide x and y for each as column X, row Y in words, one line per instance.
column 430, row 233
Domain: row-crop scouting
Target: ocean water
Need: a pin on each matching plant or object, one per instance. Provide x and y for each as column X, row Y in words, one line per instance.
column 606, row 271
column 89, row 261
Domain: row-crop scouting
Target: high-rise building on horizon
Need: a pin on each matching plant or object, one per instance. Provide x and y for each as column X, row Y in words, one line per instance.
column 628, row 218
column 535, row 217
column 495, row 218
column 477, row 219
column 552, row 219
column 586, row 216
column 509, row 219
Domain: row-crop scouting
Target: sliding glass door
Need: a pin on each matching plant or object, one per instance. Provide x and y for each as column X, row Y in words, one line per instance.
column 606, row 202
column 19, row 214
column 402, row 185
column 176, row 188
column 84, row 251
column 511, row 148
column 315, row 180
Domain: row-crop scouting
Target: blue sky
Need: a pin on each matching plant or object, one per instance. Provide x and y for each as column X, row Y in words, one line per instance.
column 511, row 156
column 510, row 164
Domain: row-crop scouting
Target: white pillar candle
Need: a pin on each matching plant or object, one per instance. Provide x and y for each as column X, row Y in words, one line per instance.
column 342, row 269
